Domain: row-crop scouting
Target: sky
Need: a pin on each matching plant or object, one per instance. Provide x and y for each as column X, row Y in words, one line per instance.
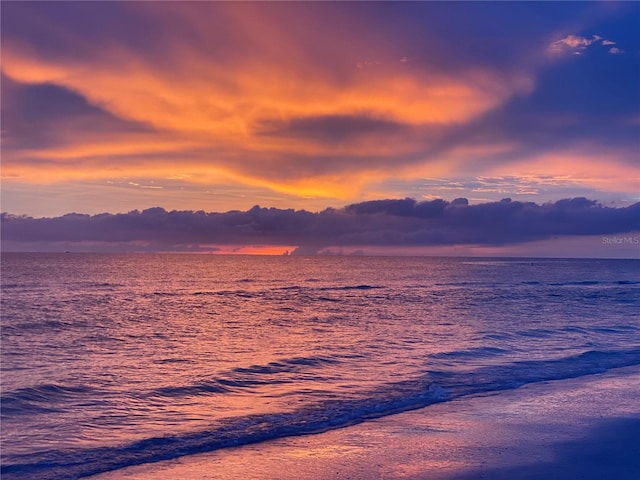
column 120, row 108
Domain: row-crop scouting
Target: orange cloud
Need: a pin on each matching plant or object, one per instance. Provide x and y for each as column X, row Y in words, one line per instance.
column 580, row 166
column 207, row 110
column 265, row 96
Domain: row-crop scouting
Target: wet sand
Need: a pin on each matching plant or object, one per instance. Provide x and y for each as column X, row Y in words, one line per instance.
column 583, row 428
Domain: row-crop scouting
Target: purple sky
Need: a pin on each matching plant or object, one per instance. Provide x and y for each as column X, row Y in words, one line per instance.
column 110, row 107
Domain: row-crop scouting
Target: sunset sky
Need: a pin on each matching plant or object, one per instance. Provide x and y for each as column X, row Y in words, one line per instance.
column 112, row 107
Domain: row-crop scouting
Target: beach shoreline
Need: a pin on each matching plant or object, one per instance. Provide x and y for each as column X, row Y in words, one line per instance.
column 586, row 427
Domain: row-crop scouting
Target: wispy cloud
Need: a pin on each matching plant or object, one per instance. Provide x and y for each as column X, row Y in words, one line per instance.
column 273, row 109
column 575, row 44
column 267, row 98
column 575, row 41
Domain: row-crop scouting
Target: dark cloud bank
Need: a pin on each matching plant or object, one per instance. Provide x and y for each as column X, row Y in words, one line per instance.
column 376, row 223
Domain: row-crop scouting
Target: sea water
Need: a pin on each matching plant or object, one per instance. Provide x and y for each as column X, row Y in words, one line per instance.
column 116, row 360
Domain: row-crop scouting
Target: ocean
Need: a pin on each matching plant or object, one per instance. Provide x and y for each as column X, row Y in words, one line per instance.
column 114, row 360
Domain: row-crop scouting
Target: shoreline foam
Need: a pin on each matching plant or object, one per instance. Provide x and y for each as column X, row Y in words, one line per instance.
column 587, row 427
